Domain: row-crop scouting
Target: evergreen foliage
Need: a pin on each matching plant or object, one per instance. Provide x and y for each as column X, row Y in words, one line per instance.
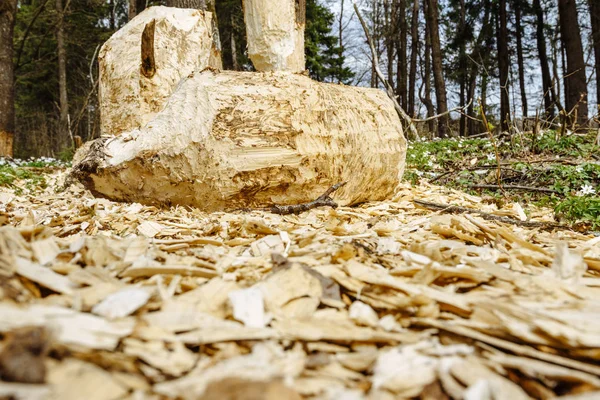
column 324, row 58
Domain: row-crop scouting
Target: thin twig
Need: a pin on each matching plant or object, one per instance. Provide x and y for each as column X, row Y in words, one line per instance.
column 433, row 117
column 491, row 217
column 322, row 201
column 514, row 187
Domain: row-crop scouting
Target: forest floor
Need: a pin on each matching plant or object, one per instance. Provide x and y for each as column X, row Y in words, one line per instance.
column 398, row 299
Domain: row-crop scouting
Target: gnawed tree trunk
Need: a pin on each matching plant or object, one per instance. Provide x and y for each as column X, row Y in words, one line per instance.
column 8, row 12
column 138, row 72
column 204, row 5
column 196, row 4
column 275, row 31
column 243, row 139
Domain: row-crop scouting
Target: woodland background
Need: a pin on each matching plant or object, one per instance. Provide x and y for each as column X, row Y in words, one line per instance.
column 514, row 61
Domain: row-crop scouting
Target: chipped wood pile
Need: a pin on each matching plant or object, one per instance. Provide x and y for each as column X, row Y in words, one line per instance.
column 178, row 133
column 383, row 301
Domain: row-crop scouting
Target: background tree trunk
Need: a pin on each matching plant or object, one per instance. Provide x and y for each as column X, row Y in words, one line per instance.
column 503, row 65
column 414, row 50
column 63, row 123
column 595, row 21
column 8, row 11
column 520, row 58
column 427, row 71
column 136, row 7
column 575, row 79
column 438, row 73
column 401, row 74
column 197, row 4
column 547, row 87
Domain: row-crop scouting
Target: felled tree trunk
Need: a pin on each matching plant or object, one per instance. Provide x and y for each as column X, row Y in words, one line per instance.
column 143, row 62
column 275, row 32
column 241, row 139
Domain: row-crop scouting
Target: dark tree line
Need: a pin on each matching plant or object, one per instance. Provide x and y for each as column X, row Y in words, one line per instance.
column 476, row 54
column 479, row 53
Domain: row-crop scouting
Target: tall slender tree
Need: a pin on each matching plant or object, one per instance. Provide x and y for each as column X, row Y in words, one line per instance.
column 595, row 23
column 414, row 50
column 547, row 86
column 196, row 4
column 427, row 71
column 575, row 79
column 518, row 9
column 503, row 65
column 63, row 122
column 401, row 75
column 136, row 7
column 438, row 71
column 8, row 13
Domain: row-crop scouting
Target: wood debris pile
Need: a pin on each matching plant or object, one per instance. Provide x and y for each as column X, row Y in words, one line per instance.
column 382, row 301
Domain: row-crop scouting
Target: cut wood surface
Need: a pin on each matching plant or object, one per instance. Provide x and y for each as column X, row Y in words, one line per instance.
column 246, row 139
column 177, row 42
column 275, row 34
column 384, row 300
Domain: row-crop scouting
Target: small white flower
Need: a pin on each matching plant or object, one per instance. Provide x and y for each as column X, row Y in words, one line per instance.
column 586, row 189
column 491, row 157
column 419, row 173
column 579, row 168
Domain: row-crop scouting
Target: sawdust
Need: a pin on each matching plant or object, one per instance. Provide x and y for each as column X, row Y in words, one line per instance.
column 381, row 301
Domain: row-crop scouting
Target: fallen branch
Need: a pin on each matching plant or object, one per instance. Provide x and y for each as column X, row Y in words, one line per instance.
column 514, row 187
column 323, row 200
column 490, row 217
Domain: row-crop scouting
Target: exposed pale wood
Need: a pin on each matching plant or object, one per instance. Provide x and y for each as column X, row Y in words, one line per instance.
column 275, row 34
column 239, row 139
column 130, row 95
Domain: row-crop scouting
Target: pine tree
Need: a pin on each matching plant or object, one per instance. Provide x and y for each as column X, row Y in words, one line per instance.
column 324, row 58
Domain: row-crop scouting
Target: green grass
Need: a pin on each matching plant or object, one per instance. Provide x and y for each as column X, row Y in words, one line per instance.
column 473, row 161
column 26, row 174
column 583, row 210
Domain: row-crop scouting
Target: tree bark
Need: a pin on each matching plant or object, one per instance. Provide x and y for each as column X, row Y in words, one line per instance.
column 575, row 79
column 8, row 13
column 204, row 5
column 401, row 74
column 520, row 58
column 136, row 7
column 547, row 87
column 438, row 73
column 503, row 65
column 63, row 123
column 427, row 72
column 275, row 32
column 479, row 53
column 414, row 50
column 389, row 13
column 196, row 4
column 462, row 66
column 595, row 23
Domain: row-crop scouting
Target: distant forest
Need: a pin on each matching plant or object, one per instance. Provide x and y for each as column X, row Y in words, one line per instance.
column 514, row 61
